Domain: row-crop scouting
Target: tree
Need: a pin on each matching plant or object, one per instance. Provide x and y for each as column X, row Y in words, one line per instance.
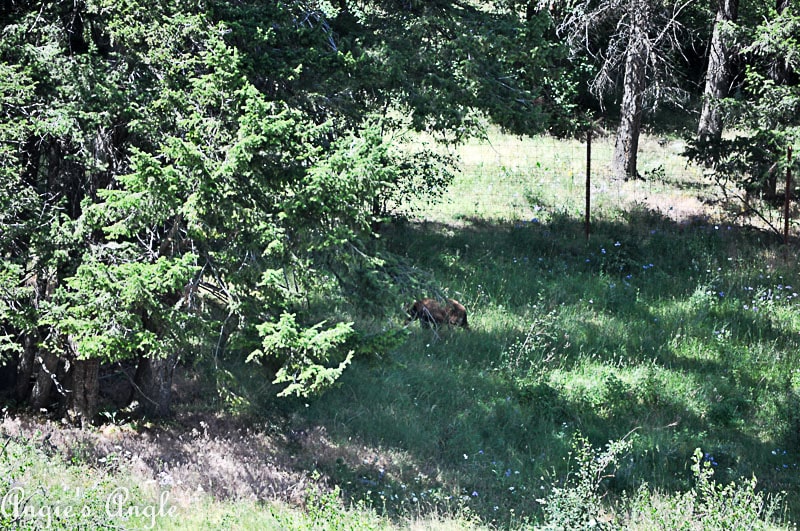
column 637, row 39
column 182, row 179
column 626, row 147
column 764, row 109
column 718, row 71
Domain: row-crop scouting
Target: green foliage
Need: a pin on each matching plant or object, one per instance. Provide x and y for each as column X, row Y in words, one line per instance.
column 12, row 308
column 577, row 504
column 174, row 175
column 724, row 507
column 324, row 511
column 764, row 113
column 755, row 161
column 377, row 174
column 478, row 59
column 709, row 504
column 302, row 353
column 118, row 311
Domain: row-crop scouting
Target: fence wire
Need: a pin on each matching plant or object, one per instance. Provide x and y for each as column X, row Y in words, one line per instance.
column 507, row 179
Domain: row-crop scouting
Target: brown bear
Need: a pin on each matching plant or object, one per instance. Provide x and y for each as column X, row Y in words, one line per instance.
column 432, row 312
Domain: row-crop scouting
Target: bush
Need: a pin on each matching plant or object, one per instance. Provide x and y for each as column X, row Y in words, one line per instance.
column 709, row 505
column 578, row 504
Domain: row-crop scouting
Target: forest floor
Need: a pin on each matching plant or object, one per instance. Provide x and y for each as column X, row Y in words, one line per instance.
column 195, row 453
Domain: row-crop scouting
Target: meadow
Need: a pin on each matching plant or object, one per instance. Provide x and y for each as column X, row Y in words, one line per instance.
column 644, row 377
column 670, row 328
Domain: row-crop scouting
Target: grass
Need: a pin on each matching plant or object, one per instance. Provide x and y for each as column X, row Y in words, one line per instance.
column 678, row 331
column 514, row 179
column 565, row 343
column 667, row 330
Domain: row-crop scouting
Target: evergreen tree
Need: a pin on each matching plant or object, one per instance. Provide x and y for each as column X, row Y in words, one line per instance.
column 183, row 178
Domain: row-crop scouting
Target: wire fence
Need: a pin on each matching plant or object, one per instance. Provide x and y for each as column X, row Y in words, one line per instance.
column 510, row 179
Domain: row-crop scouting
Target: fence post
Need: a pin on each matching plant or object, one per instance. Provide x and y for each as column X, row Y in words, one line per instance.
column 788, row 195
column 588, row 180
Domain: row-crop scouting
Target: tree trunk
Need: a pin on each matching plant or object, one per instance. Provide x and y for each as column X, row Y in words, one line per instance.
column 718, row 72
column 8, row 376
column 153, row 385
column 25, row 366
column 30, row 340
column 626, row 148
column 45, row 378
column 83, row 388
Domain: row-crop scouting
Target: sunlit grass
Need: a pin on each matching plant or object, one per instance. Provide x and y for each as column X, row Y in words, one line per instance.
column 506, row 178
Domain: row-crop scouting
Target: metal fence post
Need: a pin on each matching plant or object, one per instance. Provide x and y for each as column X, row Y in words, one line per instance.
column 788, row 195
column 588, row 181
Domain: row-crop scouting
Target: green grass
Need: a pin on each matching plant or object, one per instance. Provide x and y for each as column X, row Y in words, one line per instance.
column 684, row 334
column 505, row 178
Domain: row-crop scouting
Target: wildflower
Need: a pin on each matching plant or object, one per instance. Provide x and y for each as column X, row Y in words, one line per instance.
column 474, row 493
column 508, row 472
column 617, row 244
column 603, row 251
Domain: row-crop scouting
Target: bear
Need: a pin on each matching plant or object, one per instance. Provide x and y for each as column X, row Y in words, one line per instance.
column 431, row 312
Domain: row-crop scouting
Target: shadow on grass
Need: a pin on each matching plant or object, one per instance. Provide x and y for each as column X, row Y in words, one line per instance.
column 644, row 326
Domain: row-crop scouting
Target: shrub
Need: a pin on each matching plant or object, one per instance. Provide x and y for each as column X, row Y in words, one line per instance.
column 578, row 504
column 709, row 505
